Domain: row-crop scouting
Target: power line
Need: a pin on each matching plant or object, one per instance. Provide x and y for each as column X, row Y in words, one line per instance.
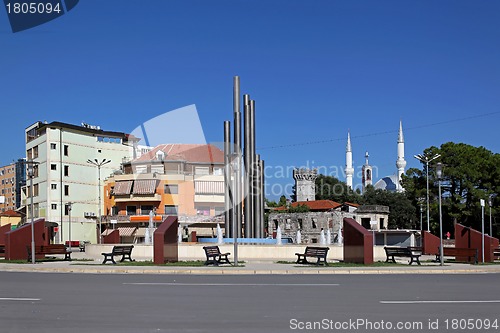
column 298, row 144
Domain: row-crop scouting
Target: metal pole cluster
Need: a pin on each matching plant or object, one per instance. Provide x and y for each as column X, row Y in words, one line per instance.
column 245, row 204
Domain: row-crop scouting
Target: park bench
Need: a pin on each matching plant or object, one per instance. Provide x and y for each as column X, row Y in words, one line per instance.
column 50, row 249
column 118, row 250
column 313, row 252
column 214, row 256
column 413, row 253
column 459, row 252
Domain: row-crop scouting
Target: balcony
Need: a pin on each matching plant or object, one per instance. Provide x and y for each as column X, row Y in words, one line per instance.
column 138, row 197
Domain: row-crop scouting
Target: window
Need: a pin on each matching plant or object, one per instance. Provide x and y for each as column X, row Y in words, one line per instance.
column 53, row 186
column 66, row 190
column 29, row 154
column 53, row 206
column 35, row 152
column 53, row 167
column 146, row 209
column 131, row 210
column 35, row 170
column 203, row 210
column 314, row 225
column 218, row 171
column 201, row 171
column 66, row 209
column 35, row 208
column 35, row 190
column 171, row 189
column 170, row 210
column 66, row 150
column 66, row 170
column 53, row 146
column 219, row 210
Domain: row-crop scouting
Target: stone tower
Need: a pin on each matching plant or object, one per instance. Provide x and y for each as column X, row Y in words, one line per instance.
column 349, row 170
column 367, row 173
column 401, row 162
column 305, row 184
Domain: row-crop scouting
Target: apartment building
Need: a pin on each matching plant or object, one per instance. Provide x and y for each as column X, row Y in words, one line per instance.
column 186, row 180
column 8, row 187
column 63, row 176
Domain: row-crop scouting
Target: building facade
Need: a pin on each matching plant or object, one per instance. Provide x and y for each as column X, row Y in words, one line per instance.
column 62, row 174
column 186, row 180
column 8, row 187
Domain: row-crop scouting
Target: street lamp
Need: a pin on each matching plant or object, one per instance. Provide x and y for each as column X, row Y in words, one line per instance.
column 421, row 214
column 490, row 204
column 69, row 204
column 426, row 160
column 439, row 174
column 31, row 174
column 481, row 201
column 98, row 164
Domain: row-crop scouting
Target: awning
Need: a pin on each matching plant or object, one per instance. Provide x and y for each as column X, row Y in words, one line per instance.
column 209, row 187
column 107, row 232
column 141, row 232
column 123, row 187
column 126, row 231
column 145, row 186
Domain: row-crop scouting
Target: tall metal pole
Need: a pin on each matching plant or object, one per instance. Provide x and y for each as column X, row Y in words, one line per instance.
column 428, row 209
column 69, row 225
column 490, row 203
column 30, row 172
column 248, row 167
column 482, row 229
column 253, row 169
column 228, row 202
column 257, row 211
column 235, row 171
column 440, row 227
column 237, row 200
column 98, row 164
column 261, row 200
column 421, row 224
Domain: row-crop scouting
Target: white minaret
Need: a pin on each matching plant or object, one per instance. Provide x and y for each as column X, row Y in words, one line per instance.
column 400, row 163
column 349, row 170
column 367, row 173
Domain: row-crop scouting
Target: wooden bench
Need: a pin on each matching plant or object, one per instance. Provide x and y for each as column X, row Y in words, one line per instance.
column 50, row 249
column 313, row 252
column 459, row 252
column 413, row 253
column 214, row 256
column 118, row 250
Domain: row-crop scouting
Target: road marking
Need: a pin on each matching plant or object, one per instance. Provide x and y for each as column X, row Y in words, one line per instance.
column 235, row 284
column 437, row 302
column 19, row 299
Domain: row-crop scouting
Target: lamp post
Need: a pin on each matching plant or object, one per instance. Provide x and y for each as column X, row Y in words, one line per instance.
column 69, row 204
column 98, row 164
column 482, row 229
column 426, row 160
column 490, row 203
column 31, row 175
column 421, row 218
column 439, row 173
column 233, row 195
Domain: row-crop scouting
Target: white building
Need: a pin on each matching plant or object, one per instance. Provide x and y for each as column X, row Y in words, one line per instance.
column 64, row 176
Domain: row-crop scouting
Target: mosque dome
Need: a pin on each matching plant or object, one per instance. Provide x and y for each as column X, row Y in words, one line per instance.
column 389, row 183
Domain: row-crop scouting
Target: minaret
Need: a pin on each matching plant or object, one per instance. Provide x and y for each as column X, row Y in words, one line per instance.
column 367, row 173
column 400, row 163
column 349, row 170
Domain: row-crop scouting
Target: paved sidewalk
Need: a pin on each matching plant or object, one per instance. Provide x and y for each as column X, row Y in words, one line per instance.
column 250, row 267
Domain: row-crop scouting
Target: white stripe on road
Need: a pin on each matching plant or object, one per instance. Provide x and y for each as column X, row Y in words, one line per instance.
column 236, row 284
column 437, row 302
column 19, row 299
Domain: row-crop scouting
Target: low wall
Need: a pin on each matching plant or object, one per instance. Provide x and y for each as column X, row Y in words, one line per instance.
column 194, row 251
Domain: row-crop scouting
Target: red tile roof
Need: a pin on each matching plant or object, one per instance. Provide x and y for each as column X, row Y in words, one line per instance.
column 196, row 153
column 318, row 205
column 10, row 213
column 351, row 204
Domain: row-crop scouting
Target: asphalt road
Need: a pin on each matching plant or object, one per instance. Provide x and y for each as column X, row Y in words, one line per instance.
column 50, row 302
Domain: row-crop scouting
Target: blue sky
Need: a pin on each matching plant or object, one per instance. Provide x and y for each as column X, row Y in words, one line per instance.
column 315, row 68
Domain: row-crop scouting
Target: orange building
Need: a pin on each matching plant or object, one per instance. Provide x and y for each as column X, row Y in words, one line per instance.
column 172, row 179
column 8, row 187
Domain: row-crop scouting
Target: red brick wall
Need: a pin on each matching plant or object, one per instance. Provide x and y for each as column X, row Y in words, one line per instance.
column 17, row 240
column 466, row 237
column 112, row 238
column 430, row 243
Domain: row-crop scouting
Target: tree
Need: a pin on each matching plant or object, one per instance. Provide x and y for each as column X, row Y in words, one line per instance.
column 469, row 174
column 330, row 188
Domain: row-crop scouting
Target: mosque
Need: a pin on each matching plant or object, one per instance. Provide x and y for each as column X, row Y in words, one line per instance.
column 390, row 183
